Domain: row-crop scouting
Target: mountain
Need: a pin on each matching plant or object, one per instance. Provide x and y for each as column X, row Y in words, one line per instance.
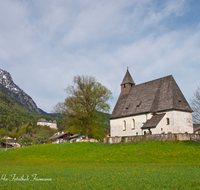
column 8, row 87
column 14, row 118
column 12, row 114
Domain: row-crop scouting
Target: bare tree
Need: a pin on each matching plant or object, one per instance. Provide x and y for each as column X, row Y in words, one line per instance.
column 195, row 104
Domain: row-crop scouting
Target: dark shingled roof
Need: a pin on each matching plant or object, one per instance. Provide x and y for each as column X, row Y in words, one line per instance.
column 154, row 96
column 60, row 135
column 127, row 79
column 42, row 120
column 153, row 122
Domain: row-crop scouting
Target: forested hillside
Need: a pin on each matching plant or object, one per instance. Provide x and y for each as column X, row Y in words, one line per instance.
column 18, row 120
column 13, row 116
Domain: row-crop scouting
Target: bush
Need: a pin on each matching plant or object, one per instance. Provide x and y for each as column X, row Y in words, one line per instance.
column 14, row 135
column 25, row 141
column 42, row 136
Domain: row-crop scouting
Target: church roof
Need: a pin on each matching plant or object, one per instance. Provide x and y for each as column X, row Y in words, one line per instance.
column 127, row 79
column 154, row 96
column 153, row 122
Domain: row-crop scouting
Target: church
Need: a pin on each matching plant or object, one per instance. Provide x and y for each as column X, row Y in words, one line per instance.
column 154, row 107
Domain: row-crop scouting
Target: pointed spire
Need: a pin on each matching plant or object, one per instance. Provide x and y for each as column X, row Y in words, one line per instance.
column 127, row 79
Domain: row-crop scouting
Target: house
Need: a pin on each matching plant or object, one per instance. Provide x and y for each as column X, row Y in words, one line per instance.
column 196, row 128
column 61, row 137
column 6, row 145
column 9, row 142
column 69, row 137
column 51, row 124
column 154, row 107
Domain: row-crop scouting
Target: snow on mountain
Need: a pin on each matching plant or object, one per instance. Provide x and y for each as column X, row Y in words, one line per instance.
column 17, row 94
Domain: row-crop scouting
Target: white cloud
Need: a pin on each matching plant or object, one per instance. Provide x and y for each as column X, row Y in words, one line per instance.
column 43, row 44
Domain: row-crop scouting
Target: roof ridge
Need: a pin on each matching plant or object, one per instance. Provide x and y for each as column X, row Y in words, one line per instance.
column 155, row 79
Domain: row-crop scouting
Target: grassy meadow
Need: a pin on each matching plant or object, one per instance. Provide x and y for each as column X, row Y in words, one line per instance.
column 141, row 165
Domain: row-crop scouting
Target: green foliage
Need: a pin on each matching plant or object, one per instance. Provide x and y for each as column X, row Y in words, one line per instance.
column 25, row 141
column 42, row 138
column 16, row 119
column 12, row 115
column 122, row 139
column 14, row 135
column 141, row 165
column 29, row 129
column 3, row 133
column 86, row 98
column 104, row 122
column 98, row 133
column 43, row 134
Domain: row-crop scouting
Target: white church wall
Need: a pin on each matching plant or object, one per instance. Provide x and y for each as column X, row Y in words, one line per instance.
column 183, row 122
column 179, row 122
column 163, row 126
column 116, row 125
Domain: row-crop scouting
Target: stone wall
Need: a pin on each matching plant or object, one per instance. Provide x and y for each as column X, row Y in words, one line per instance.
column 88, row 140
column 161, row 137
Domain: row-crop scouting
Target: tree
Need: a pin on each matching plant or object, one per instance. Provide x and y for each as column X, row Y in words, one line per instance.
column 85, row 100
column 25, row 141
column 3, row 133
column 195, row 104
column 42, row 136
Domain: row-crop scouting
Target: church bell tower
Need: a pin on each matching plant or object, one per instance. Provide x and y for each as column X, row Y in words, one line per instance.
column 127, row 84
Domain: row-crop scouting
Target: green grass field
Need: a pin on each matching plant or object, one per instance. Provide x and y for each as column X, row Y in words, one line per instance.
column 141, row 165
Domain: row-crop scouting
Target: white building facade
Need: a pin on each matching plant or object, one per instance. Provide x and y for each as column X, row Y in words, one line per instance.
column 51, row 124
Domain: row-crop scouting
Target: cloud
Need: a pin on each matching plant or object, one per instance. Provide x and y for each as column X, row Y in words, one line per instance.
column 44, row 44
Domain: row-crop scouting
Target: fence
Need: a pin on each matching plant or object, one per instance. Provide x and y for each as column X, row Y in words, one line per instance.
column 161, row 137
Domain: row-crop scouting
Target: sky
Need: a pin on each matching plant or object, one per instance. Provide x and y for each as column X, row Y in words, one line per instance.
column 44, row 44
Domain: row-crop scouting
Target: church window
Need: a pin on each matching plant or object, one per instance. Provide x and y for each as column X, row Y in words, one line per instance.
column 167, row 121
column 124, row 125
column 133, row 124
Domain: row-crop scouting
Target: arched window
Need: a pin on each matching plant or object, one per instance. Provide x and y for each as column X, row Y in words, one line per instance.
column 133, row 124
column 124, row 125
